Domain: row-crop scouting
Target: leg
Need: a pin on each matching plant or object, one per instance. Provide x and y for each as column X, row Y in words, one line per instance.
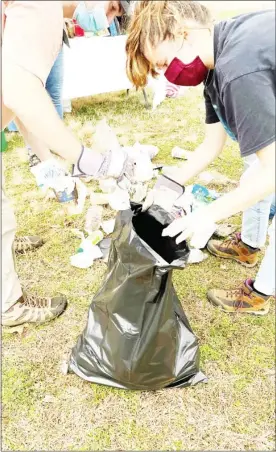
column 32, row 40
column 244, row 247
column 265, row 279
column 255, row 219
column 19, row 308
column 11, row 289
column 54, row 84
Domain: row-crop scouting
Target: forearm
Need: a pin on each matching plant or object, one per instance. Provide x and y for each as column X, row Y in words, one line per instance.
column 34, row 108
column 259, row 186
column 205, row 154
column 201, row 158
column 37, row 146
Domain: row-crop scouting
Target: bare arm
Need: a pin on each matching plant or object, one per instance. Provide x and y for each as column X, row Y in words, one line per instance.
column 206, row 153
column 257, row 183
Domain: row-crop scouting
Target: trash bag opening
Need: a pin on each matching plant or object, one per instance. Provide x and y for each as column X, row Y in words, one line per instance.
column 149, row 226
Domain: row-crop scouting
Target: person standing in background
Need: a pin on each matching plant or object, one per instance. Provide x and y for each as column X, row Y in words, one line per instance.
column 32, row 34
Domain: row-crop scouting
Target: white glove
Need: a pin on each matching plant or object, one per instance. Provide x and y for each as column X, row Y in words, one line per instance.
column 49, row 172
column 197, row 226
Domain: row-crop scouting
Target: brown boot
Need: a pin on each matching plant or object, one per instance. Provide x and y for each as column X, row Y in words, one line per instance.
column 234, row 249
column 244, row 299
column 33, row 309
column 27, row 243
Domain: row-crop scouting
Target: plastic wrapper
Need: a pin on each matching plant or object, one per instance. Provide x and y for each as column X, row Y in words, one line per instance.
column 179, row 153
column 137, row 335
column 119, row 199
column 105, row 138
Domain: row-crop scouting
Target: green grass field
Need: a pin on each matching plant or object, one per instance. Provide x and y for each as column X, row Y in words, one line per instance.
column 44, row 410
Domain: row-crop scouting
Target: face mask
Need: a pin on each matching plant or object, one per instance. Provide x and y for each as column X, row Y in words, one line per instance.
column 191, row 74
column 93, row 21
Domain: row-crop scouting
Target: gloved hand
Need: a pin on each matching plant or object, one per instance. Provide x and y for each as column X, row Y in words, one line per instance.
column 197, row 225
column 48, row 172
column 52, row 174
column 113, row 164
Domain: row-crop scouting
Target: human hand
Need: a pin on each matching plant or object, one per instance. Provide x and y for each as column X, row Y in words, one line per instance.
column 198, row 226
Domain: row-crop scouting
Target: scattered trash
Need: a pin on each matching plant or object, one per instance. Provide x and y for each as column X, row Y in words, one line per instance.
column 108, row 226
column 86, row 259
column 64, row 368
column 81, row 190
column 96, row 237
column 138, row 192
column 179, row 153
column 150, row 150
column 105, row 138
column 204, row 195
column 93, row 219
column 107, row 185
column 143, row 170
column 99, row 199
column 119, row 199
column 196, row 256
column 165, row 194
column 88, row 251
column 124, row 184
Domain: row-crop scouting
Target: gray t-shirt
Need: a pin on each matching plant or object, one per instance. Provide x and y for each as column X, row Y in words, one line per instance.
column 240, row 91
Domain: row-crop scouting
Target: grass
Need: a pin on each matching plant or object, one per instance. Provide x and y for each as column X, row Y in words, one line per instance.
column 44, row 410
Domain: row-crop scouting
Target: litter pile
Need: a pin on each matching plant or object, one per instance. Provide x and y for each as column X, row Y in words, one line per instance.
column 111, row 195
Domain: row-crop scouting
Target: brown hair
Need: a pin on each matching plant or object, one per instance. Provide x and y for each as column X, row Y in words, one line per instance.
column 154, row 21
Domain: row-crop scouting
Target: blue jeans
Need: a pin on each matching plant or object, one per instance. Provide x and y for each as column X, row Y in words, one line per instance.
column 254, row 232
column 54, row 84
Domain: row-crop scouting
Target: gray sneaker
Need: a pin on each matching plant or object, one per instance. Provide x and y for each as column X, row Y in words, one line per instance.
column 33, row 160
column 34, row 309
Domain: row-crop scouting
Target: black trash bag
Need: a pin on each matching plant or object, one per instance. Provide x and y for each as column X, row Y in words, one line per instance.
column 137, row 335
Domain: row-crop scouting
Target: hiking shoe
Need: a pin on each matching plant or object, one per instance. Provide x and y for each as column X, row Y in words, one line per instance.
column 33, row 160
column 244, row 299
column 27, row 243
column 33, row 309
column 234, row 248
